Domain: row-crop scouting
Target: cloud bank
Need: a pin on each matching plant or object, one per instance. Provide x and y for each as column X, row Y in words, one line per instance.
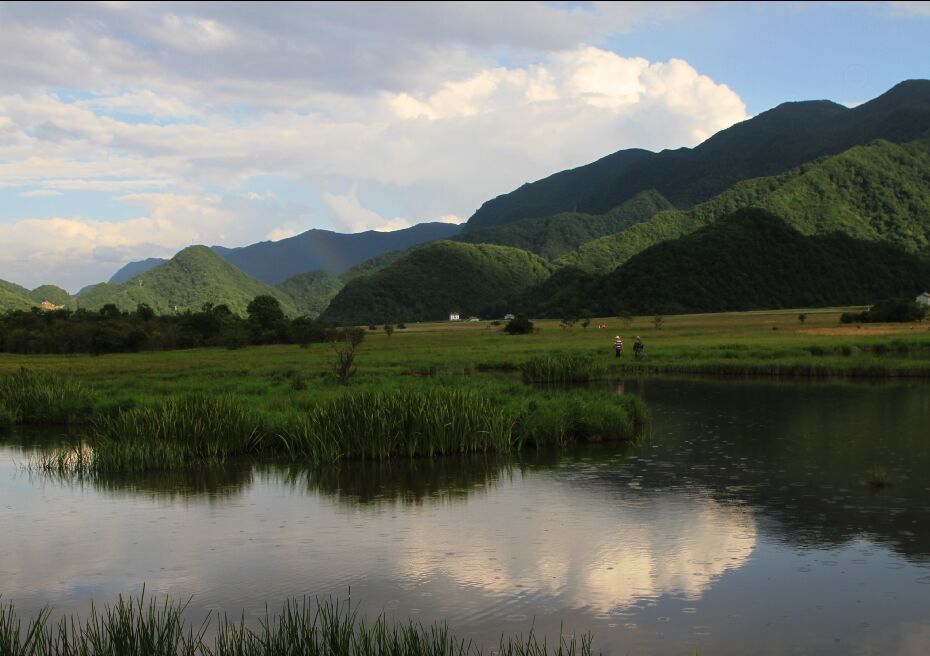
column 358, row 116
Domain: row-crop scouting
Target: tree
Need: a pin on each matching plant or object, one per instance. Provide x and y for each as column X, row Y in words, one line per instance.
column 567, row 322
column 389, row 329
column 585, row 323
column 658, row 321
column 144, row 312
column 802, row 317
column 266, row 311
column 519, row 325
column 345, row 343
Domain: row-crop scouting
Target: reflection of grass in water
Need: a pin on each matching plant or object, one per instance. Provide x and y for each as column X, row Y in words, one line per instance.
column 146, row 627
column 878, row 477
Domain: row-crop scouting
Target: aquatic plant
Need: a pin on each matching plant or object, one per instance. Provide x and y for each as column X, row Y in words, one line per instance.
column 44, row 398
column 148, row 627
column 381, row 425
column 176, row 432
column 562, row 369
column 7, row 417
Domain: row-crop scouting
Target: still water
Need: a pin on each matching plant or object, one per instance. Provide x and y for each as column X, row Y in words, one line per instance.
column 742, row 522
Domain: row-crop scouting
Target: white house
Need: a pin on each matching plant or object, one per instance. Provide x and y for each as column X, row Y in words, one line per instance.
column 509, row 317
column 454, row 316
column 923, row 299
column 474, row 319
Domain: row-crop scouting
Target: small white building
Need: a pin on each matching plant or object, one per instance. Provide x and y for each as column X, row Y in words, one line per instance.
column 474, row 319
column 923, row 299
column 509, row 317
column 454, row 316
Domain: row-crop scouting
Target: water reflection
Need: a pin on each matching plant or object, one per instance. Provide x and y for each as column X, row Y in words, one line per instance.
column 742, row 523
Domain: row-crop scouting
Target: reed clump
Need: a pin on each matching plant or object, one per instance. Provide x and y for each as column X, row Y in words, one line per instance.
column 571, row 416
column 382, row 425
column 175, row 433
column 147, row 627
column 44, row 398
column 563, row 369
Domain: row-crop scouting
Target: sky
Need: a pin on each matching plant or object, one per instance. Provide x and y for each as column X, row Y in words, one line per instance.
column 131, row 130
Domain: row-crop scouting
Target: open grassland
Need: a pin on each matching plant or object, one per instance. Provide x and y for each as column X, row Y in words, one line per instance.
column 281, row 376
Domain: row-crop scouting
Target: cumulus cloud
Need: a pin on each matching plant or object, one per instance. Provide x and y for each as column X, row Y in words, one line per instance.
column 182, row 105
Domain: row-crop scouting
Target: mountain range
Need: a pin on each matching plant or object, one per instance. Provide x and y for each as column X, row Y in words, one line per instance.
column 804, row 182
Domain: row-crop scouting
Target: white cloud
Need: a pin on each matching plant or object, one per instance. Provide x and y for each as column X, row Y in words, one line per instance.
column 420, row 111
column 913, row 8
column 38, row 193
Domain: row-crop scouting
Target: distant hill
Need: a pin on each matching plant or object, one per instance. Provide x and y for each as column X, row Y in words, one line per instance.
column 770, row 143
column 311, row 292
column 435, row 279
column 557, row 235
column 192, row 278
column 879, row 192
column 17, row 297
column 14, row 297
column 275, row 261
column 54, row 295
column 754, row 260
column 314, row 250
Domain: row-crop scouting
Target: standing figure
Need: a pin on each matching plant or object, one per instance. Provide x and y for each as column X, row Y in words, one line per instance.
column 618, row 346
column 639, row 351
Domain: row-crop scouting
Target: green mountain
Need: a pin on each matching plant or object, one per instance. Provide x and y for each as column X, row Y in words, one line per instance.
column 373, row 265
column 14, row 297
column 311, row 292
column 54, row 295
column 192, row 278
column 878, row 192
column 438, row 278
column 770, row 143
column 557, row 235
column 752, row 260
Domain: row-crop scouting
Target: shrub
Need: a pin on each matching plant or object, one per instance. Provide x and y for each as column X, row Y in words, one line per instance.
column 519, row 325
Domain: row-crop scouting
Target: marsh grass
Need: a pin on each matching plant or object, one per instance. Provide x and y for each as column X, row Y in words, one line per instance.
column 43, row 398
column 176, row 432
column 7, row 417
column 563, row 369
column 147, row 627
column 382, row 425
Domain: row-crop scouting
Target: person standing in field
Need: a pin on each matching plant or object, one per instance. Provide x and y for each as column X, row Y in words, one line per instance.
column 639, row 350
column 618, row 346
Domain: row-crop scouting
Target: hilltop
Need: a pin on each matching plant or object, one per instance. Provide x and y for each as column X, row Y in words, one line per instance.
column 194, row 277
column 878, row 192
column 435, row 279
column 770, row 143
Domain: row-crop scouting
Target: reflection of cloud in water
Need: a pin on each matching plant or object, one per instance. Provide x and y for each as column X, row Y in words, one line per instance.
column 600, row 553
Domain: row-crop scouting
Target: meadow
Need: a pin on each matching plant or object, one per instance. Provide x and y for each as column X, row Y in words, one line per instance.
column 426, row 390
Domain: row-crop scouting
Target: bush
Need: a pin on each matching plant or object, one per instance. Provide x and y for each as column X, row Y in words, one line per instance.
column 519, row 325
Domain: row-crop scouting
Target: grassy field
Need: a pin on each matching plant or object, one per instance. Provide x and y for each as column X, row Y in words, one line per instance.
column 277, row 377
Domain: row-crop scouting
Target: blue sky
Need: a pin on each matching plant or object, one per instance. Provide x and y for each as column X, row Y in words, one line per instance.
column 130, row 131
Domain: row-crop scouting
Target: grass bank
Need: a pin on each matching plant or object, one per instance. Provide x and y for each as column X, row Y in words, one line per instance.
column 148, row 627
column 420, row 419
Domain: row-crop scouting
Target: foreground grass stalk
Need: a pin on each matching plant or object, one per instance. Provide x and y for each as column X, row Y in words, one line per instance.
column 147, row 627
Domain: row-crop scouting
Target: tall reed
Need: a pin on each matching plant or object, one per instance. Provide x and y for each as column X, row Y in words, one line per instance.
column 562, row 369
column 44, row 398
column 176, row 432
column 382, row 425
column 147, row 627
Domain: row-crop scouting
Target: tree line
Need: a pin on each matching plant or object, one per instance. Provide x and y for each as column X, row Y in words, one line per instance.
column 111, row 330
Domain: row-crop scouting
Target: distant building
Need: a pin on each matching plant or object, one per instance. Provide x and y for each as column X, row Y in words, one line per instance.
column 923, row 299
column 509, row 317
column 454, row 316
column 474, row 319
column 48, row 305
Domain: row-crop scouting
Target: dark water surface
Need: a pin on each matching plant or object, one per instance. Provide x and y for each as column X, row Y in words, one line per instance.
column 744, row 522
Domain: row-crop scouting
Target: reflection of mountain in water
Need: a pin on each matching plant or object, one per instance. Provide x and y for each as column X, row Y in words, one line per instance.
column 802, row 453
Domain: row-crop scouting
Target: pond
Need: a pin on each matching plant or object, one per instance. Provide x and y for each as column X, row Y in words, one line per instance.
column 748, row 519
